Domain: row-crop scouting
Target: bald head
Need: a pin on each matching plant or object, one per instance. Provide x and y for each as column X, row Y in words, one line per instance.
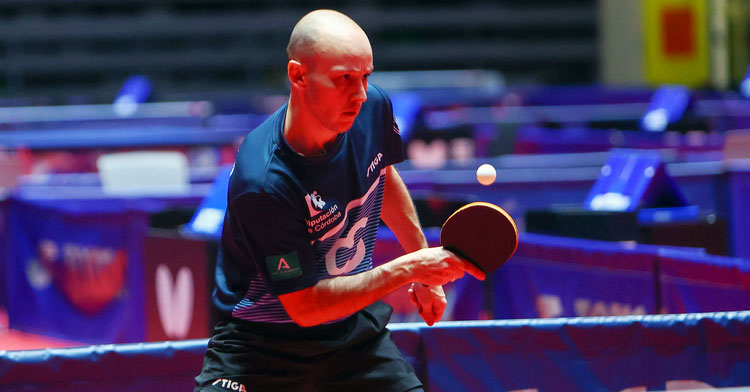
column 324, row 32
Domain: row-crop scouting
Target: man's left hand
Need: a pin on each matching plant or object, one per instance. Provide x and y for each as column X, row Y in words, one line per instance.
column 430, row 300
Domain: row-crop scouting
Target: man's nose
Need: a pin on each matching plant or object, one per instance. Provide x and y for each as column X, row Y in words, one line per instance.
column 360, row 94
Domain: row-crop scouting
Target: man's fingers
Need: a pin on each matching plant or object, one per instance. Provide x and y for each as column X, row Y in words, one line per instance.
column 473, row 270
column 426, row 297
column 439, row 303
column 468, row 267
column 413, row 295
column 427, row 316
column 435, row 312
column 438, row 307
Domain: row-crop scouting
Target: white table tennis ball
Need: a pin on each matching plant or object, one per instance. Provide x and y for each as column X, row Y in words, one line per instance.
column 486, row 174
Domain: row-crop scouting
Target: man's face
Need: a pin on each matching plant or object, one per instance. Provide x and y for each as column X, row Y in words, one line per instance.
column 337, row 86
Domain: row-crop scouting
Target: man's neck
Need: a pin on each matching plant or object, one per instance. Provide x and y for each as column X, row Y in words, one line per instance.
column 302, row 135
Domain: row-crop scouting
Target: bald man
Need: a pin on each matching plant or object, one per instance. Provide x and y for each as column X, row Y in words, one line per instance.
column 296, row 290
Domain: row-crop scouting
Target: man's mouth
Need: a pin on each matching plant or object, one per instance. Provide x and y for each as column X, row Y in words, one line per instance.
column 351, row 111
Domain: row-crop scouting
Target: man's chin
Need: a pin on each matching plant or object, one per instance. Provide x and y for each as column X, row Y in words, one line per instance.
column 345, row 125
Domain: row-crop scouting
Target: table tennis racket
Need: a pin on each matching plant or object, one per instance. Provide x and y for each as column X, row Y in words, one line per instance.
column 482, row 233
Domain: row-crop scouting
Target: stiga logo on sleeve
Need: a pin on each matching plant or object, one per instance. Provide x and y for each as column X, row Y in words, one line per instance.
column 229, row 384
column 283, row 267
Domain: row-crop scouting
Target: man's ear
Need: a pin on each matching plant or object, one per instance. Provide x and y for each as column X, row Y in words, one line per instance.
column 296, row 72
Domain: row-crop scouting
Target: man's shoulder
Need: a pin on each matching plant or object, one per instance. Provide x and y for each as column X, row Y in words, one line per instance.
column 255, row 156
column 376, row 94
column 261, row 187
column 263, row 134
column 377, row 106
column 261, row 174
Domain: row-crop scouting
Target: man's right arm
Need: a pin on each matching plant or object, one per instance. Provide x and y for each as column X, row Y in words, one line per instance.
column 268, row 230
column 331, row 299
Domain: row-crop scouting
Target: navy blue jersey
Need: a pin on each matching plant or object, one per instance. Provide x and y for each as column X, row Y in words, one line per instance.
column 292, row 221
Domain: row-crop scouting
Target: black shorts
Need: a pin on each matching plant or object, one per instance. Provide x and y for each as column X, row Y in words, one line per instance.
column 355, row 354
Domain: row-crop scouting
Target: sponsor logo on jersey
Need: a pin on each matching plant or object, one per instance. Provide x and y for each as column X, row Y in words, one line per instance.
column 283, row 267
column 315, row 203
column 323, row 220
column 320, row 216
column 230, row 385
column 374, row 164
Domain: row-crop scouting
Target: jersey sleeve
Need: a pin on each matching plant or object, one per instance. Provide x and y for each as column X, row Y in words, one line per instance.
column 276, row 241
column 394, row 150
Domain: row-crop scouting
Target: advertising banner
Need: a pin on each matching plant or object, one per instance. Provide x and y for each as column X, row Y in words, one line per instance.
column 692, row 282
column 563, row 277
column 76, row 276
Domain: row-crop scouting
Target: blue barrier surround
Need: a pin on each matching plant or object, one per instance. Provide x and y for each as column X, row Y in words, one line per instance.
column 586, row 354
column 163, row 366
column 589, row 354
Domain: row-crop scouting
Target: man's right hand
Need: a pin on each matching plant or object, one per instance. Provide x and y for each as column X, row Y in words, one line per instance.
column 438, row 266
column 338, row 297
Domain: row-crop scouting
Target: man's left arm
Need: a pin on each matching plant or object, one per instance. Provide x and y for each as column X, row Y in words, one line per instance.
column 401, row 217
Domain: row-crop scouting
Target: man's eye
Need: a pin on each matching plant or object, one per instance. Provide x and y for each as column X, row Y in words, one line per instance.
column 345, row 76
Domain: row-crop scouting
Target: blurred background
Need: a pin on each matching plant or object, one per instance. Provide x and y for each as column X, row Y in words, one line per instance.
column 619, row 130
column 82, row 51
